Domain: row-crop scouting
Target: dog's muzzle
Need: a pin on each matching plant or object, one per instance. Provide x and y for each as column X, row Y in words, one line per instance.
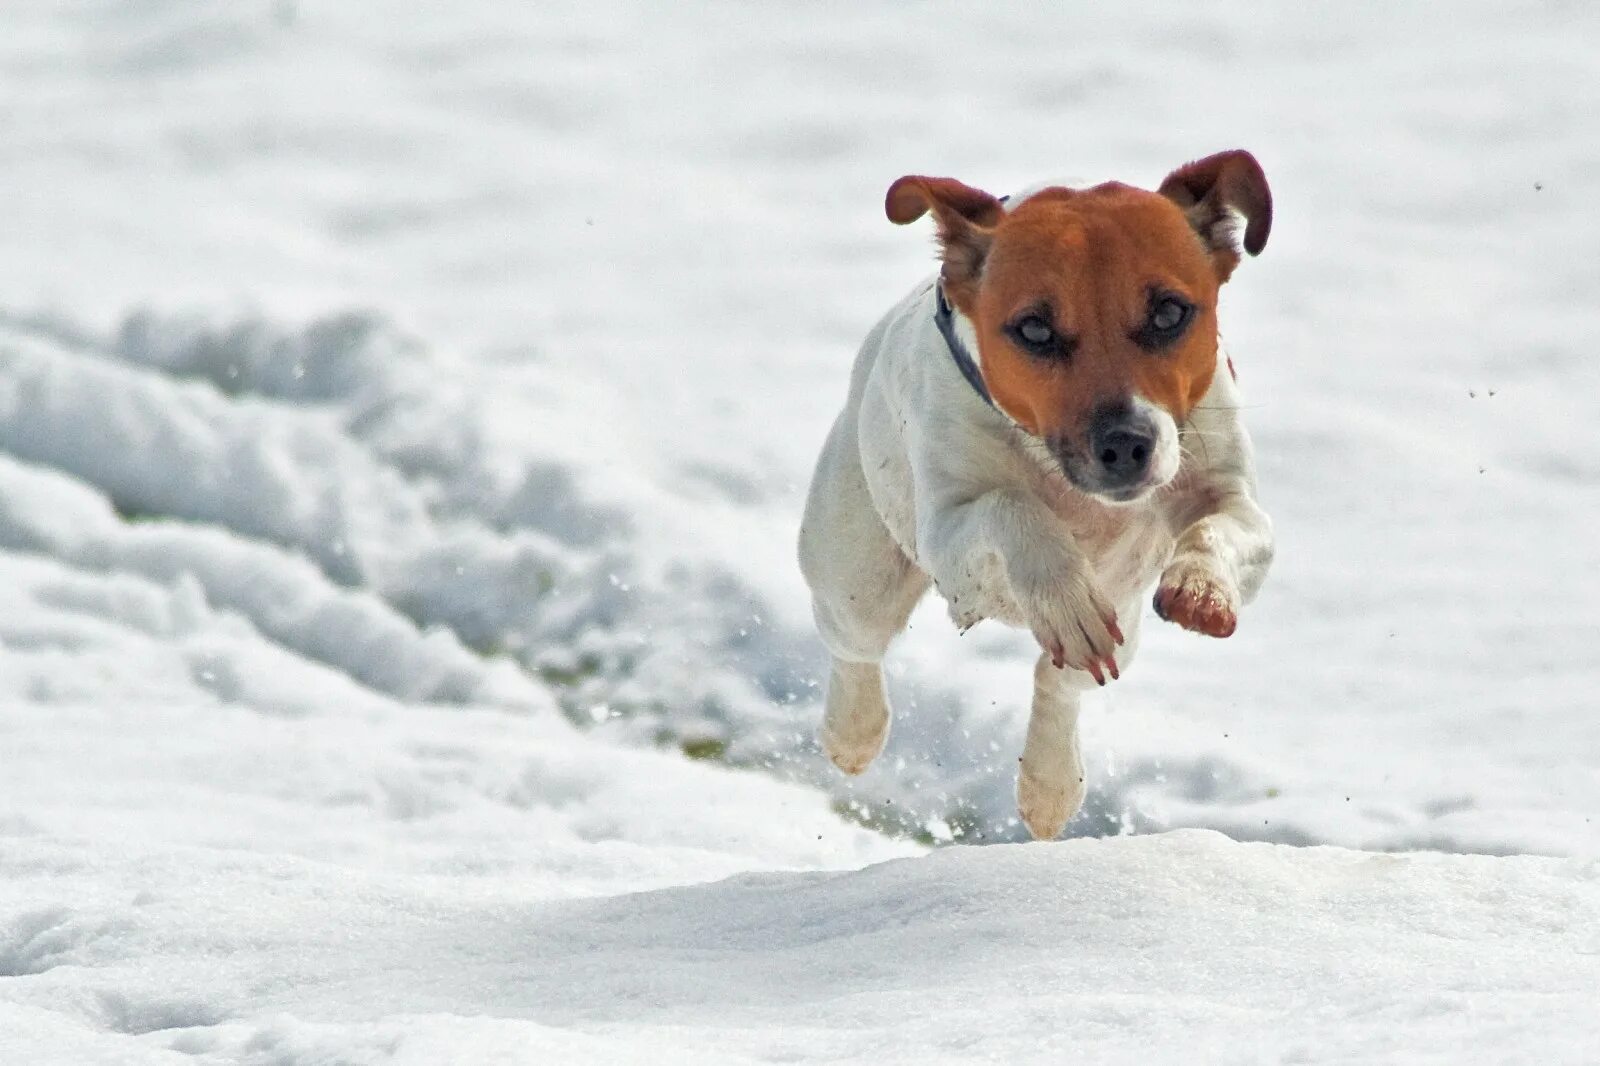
column 1129, row 449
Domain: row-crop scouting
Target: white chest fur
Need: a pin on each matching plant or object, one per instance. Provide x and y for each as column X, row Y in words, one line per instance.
column 922, row 429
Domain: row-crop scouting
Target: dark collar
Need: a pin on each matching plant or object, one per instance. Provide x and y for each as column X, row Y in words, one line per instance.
column 944, row 318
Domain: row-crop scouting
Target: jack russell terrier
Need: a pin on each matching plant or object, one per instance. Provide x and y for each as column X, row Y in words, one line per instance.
column 1041, row 431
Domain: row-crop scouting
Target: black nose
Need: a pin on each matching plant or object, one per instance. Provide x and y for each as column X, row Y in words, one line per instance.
column 1122, row 449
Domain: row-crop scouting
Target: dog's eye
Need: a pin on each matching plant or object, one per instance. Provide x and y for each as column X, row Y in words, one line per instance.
column 1168, row 315
column 1166, row 320
column 1034, row 330
column 1037, row 336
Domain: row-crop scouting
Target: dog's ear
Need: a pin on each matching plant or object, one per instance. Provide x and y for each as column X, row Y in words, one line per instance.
column 966, row 218
column 1210, row 191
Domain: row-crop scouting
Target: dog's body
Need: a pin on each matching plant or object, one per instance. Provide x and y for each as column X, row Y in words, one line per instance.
column 1052, row 501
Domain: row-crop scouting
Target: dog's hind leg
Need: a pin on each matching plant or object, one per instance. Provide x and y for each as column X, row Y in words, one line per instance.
column 855, row 723
column 863, row 589
column 857, row 619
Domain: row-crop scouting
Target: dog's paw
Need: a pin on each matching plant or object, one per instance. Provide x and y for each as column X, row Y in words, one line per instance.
column 855, row 721
column 1072, row 621
column 854, row 751
column 1046, row 802
column 1193, row 595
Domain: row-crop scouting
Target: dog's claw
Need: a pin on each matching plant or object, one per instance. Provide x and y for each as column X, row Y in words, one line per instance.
column 1075, row 627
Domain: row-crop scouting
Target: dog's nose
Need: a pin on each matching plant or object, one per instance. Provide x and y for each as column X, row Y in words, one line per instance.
column 1122, row 449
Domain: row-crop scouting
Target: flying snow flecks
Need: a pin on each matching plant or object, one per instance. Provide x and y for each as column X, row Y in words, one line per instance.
column 316, row 482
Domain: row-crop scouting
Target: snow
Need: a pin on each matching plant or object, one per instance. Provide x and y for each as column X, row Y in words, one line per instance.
column 404, row 418
column 1225, row 951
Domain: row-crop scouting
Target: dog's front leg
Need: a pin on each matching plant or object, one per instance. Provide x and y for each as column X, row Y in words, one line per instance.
column 1050, row 776
column 1218, row 563
column 1005, row 550
column 1051, row 782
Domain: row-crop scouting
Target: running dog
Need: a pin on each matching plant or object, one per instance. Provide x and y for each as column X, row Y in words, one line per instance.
column 1042, row 431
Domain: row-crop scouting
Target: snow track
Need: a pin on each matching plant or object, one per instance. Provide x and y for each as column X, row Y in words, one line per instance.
column 270, row 509
column 315, row 483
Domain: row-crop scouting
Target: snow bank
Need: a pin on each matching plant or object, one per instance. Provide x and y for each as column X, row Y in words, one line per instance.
column 1173, row 948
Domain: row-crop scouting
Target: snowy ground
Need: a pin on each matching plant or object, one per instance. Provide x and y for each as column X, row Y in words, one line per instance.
column 1185, row 947
column 403, row 423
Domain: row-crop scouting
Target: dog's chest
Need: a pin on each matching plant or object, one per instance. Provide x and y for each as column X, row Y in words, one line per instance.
column 1125, row 546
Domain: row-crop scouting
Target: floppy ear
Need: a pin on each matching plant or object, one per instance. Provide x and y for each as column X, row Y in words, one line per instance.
column 1210, row 191
column 966, row 218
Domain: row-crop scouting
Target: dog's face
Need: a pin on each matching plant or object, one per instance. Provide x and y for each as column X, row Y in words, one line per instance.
column 1095, row 309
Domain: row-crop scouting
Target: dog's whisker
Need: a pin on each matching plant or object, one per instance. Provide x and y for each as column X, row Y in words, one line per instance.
column 1197, row 434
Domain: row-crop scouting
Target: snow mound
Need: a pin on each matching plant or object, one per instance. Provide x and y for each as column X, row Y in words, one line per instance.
column 1167, row 948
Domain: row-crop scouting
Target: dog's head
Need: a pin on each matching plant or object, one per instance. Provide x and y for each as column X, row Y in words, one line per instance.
column 1095, row 309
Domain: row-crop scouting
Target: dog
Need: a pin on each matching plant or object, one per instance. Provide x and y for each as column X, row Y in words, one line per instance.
column 1042, row 431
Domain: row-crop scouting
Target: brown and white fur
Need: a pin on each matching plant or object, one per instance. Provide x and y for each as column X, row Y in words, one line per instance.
column 1113, row 454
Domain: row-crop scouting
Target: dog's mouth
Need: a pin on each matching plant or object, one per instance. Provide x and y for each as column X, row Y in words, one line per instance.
column 1081, row 474
column 1133, row 495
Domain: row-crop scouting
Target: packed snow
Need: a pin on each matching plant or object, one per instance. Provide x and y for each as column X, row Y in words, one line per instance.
column 404, row 420
column 1183, row 947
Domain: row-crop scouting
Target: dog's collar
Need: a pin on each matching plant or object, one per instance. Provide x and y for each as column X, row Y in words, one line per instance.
column 944, row 317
